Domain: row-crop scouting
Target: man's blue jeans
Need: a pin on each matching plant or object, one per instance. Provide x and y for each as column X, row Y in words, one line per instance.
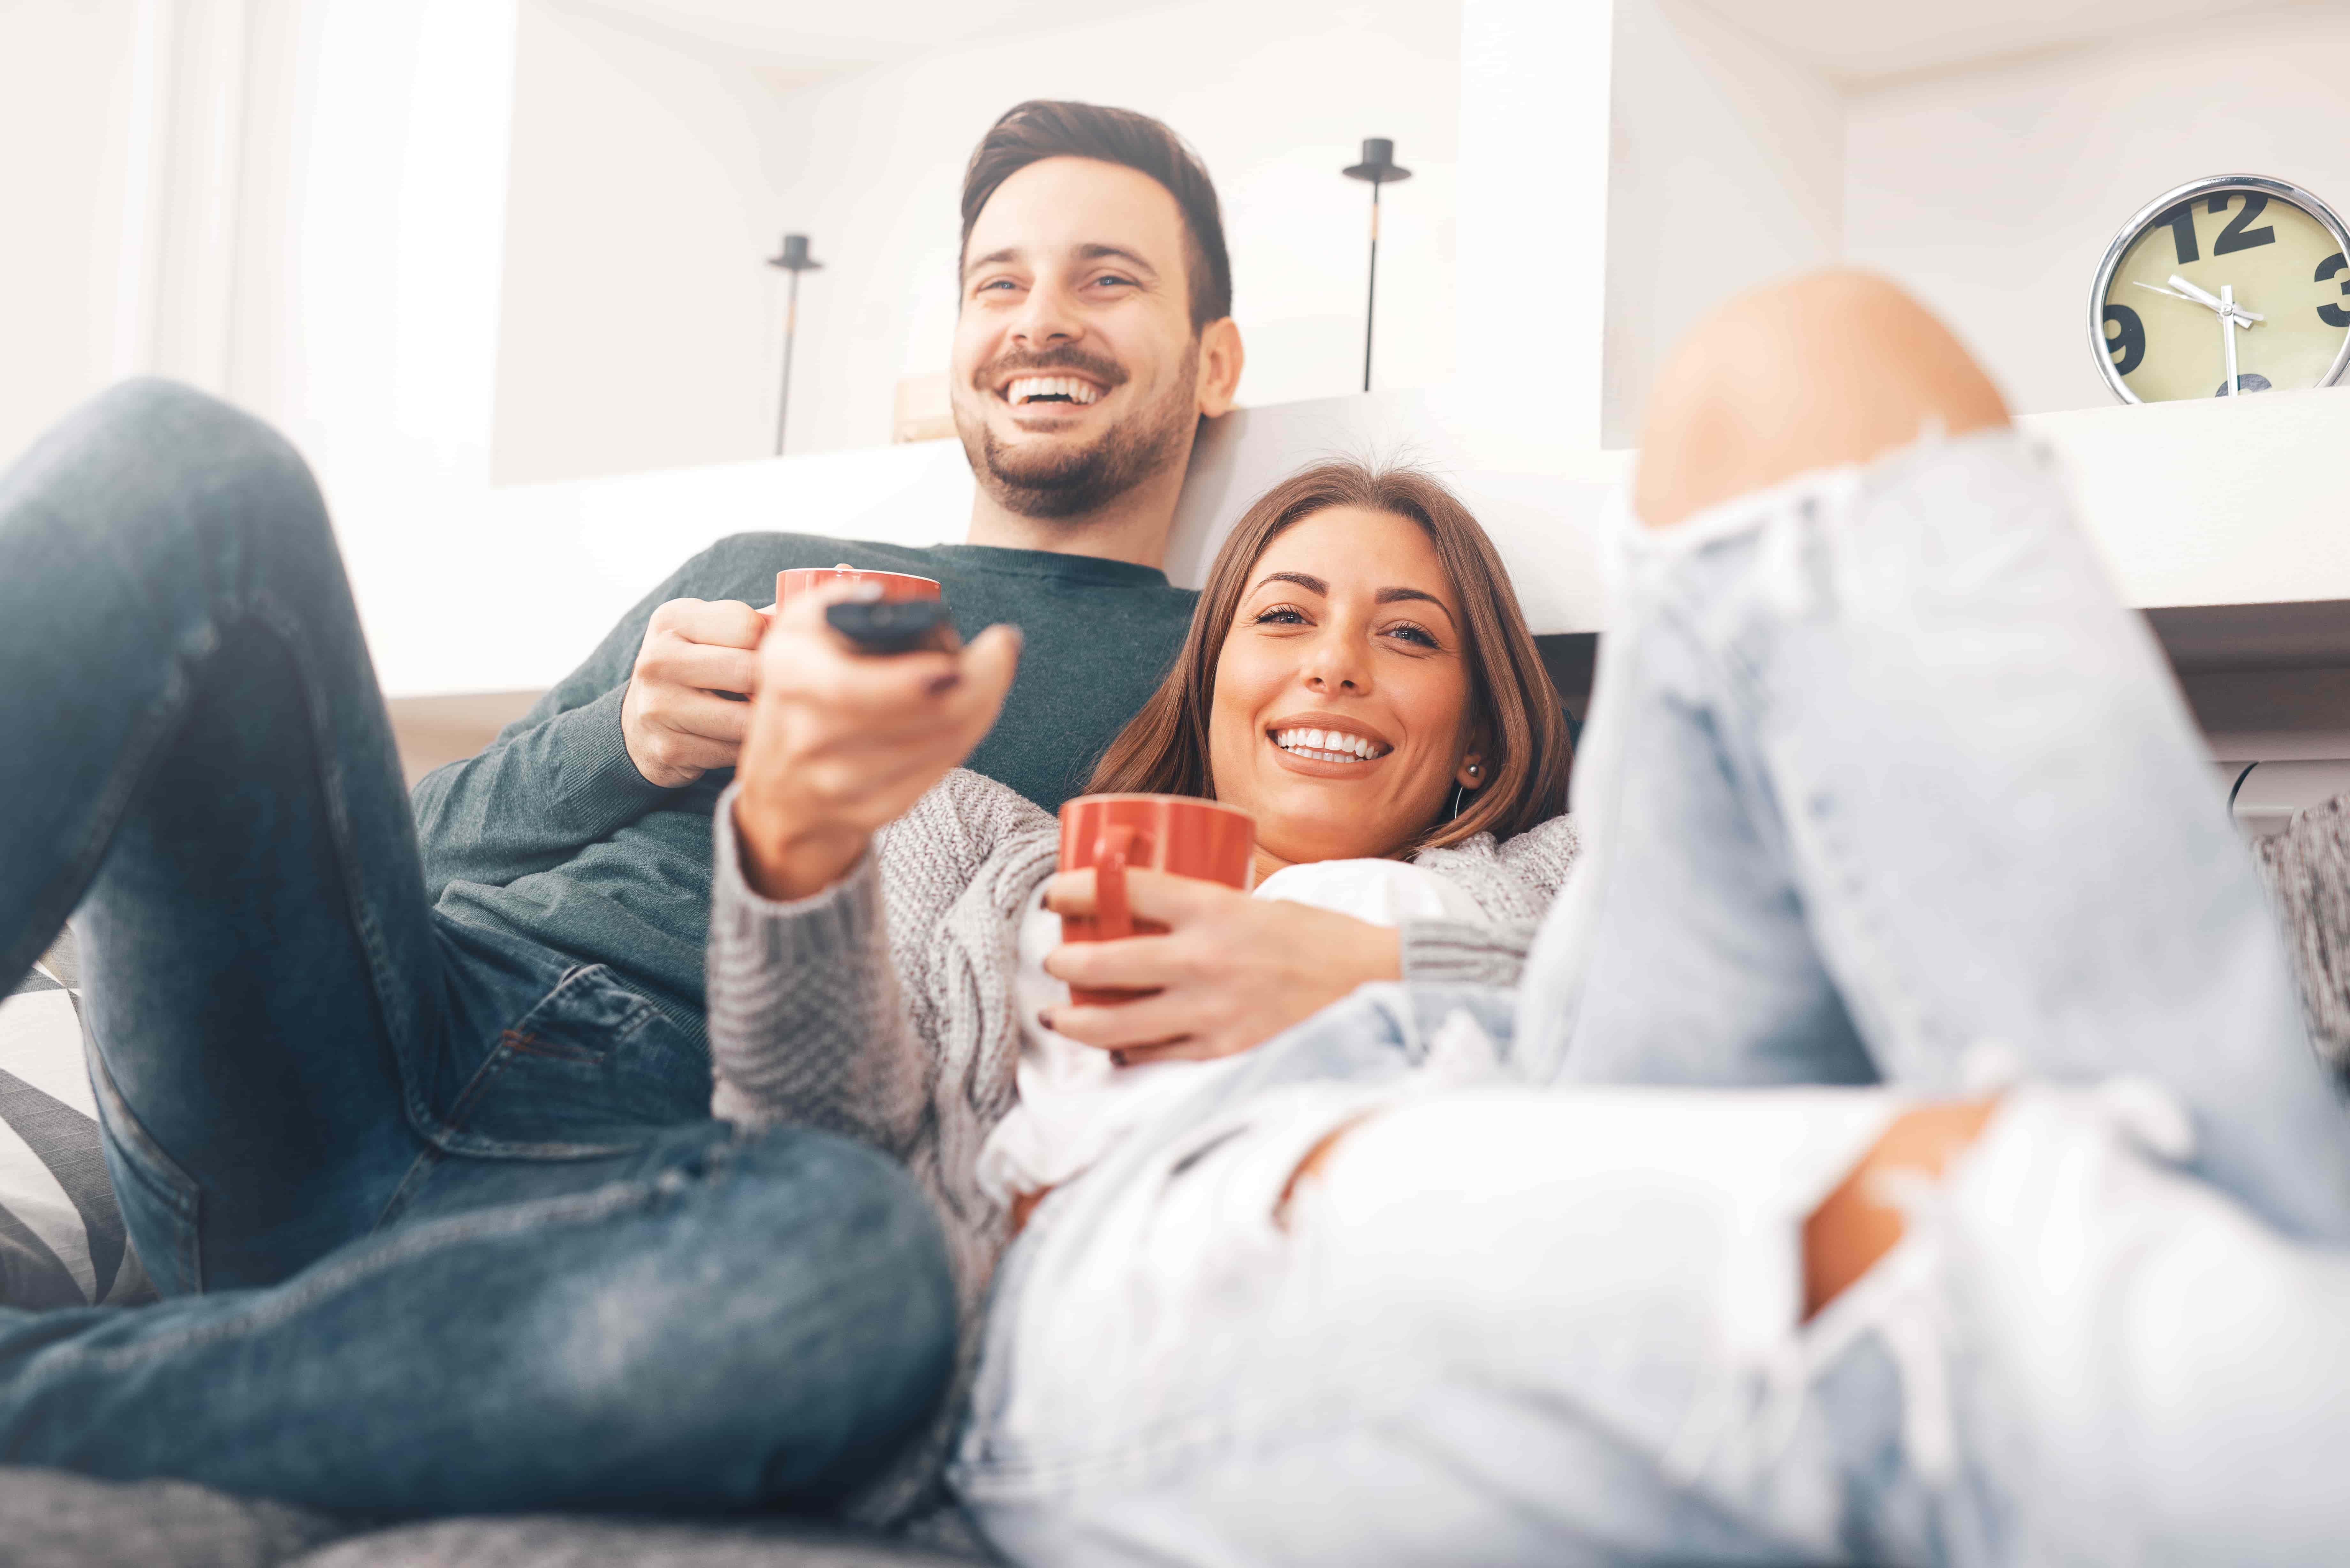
column 440, row 1217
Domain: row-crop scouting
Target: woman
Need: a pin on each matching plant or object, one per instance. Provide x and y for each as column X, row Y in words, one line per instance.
column 1358, row 676
column 1883, row 783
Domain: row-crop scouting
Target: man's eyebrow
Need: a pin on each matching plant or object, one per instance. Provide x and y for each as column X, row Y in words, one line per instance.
column 1009, row 253
column 1096, row 251
column 1311, row 585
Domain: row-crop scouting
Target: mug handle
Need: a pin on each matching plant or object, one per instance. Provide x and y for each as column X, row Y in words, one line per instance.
column 1113, row 916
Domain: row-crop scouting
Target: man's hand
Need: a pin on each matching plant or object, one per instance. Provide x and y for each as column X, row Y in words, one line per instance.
column 673, row 722
column 1231, row 973
column 842, row 742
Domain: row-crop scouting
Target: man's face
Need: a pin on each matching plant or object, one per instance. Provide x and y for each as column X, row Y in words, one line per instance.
column 1075, row 367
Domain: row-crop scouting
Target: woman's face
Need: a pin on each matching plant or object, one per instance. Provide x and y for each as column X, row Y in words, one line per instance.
column 1341, row 711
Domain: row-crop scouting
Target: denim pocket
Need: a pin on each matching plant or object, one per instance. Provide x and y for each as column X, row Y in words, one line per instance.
column 162, row 1205
column 587, row 1071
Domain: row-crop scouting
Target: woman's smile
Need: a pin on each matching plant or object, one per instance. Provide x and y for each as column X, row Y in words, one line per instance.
column 1328, row 746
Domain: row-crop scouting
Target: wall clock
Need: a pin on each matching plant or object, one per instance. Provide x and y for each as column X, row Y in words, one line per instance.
column 2227, row 285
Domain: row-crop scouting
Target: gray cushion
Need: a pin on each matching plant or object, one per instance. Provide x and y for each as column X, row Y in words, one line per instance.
column 51, row 1519
column 573, row 1543
column 2307, row 867
column 61, row 1241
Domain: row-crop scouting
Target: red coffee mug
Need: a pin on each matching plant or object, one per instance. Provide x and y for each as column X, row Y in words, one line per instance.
column 894, row 584
column 1176, row 833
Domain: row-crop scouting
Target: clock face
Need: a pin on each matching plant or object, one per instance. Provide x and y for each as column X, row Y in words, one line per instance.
column 2275, row 258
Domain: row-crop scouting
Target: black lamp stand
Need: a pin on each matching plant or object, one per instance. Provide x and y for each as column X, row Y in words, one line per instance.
column 795, row 260
column 1378, row 166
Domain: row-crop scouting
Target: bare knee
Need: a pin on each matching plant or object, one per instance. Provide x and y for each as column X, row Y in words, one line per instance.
column 1858, row 1222
column 1827, row 367
column 1310, row 1166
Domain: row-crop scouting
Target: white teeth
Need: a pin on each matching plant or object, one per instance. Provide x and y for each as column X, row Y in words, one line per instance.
column 1328, row 746
column 1024, row 388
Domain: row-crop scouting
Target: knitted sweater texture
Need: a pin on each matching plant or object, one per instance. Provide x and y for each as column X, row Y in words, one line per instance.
column 882, row 1008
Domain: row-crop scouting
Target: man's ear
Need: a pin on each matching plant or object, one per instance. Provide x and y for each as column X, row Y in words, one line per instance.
column 1220, row 367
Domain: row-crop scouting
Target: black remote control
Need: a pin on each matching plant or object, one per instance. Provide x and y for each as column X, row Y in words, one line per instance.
column 891, row 626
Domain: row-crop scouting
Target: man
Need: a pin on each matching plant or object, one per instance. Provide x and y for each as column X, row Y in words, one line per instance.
column 1094, row 339
column 409, row 1114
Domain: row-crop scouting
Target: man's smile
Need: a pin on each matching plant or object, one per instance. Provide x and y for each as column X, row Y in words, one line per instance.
column 1025, row 391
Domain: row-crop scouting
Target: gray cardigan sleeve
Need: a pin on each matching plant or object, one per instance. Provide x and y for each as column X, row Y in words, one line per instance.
column 808, row 1022
column 881, row 1008
column 1515, row 883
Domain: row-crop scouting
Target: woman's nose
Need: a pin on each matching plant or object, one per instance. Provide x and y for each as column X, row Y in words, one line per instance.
column 1331, row 665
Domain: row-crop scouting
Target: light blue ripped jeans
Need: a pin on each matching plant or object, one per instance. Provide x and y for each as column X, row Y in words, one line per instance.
column 1886, row 798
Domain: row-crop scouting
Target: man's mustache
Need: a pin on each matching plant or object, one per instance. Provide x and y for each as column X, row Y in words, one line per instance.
column 1110, row 373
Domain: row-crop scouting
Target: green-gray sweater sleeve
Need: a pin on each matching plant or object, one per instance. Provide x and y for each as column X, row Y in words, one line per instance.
column 554, row 780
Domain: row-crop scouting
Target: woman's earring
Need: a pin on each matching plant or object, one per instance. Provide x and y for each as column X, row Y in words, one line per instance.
column 1460, row 792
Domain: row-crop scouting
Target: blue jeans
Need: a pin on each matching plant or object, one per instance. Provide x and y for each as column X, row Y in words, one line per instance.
column 441, row 1218
column 1884, row 795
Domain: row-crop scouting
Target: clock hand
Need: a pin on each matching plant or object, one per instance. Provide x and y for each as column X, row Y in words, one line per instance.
column 2227, row 339
column 2188, row 290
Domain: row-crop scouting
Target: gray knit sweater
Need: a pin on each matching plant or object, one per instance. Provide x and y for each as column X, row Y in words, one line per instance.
column 882, row 1008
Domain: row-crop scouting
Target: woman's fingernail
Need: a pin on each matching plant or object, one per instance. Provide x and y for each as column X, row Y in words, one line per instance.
column 1044, row 1017
column 1117, row 1058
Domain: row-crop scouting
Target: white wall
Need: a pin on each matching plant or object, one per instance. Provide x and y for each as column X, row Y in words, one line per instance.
column 1728, row 168
column 1995, row 191
column 1276, row 94
column 298, row 204
column 66, row 87
column 638, row 327
column 1532, row 256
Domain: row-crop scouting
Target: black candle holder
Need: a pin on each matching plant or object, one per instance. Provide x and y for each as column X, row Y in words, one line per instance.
column 1380, row 167
column 794, row 259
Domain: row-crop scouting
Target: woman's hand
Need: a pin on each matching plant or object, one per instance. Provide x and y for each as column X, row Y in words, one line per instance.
column 841, row 743
column 1230, row 972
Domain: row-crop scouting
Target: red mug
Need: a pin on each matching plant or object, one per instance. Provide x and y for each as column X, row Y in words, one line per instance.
column 894, row 584
column 1176, row 833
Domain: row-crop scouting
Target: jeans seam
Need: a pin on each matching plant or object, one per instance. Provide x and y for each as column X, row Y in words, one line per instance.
column 278, row 1303
column 123, row 782
column 1845, row 930
column 428, row 1160
column 170, row 1186
column 391, row 1014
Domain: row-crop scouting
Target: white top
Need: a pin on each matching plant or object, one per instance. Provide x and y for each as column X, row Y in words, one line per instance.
column 1076, row 1104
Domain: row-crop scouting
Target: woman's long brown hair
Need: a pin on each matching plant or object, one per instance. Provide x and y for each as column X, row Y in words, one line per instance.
column 1513, row 713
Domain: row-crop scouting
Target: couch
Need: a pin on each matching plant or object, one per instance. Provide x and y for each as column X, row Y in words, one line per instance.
column 61, row 1244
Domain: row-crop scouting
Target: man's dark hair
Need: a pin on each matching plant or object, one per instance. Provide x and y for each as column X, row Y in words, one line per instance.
column 1042, row 128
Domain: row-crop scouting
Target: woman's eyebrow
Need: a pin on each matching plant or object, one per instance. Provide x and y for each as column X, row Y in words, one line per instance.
column 1397, row 595
column 1310, row 584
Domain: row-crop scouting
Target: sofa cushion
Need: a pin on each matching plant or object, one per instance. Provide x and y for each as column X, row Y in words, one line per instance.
column 582, row 1542
column 52, row 1520
column 61, row 1235
column 2307, row 867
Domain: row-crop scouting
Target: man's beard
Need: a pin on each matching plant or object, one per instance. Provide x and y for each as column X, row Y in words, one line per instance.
column 1053, row 485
